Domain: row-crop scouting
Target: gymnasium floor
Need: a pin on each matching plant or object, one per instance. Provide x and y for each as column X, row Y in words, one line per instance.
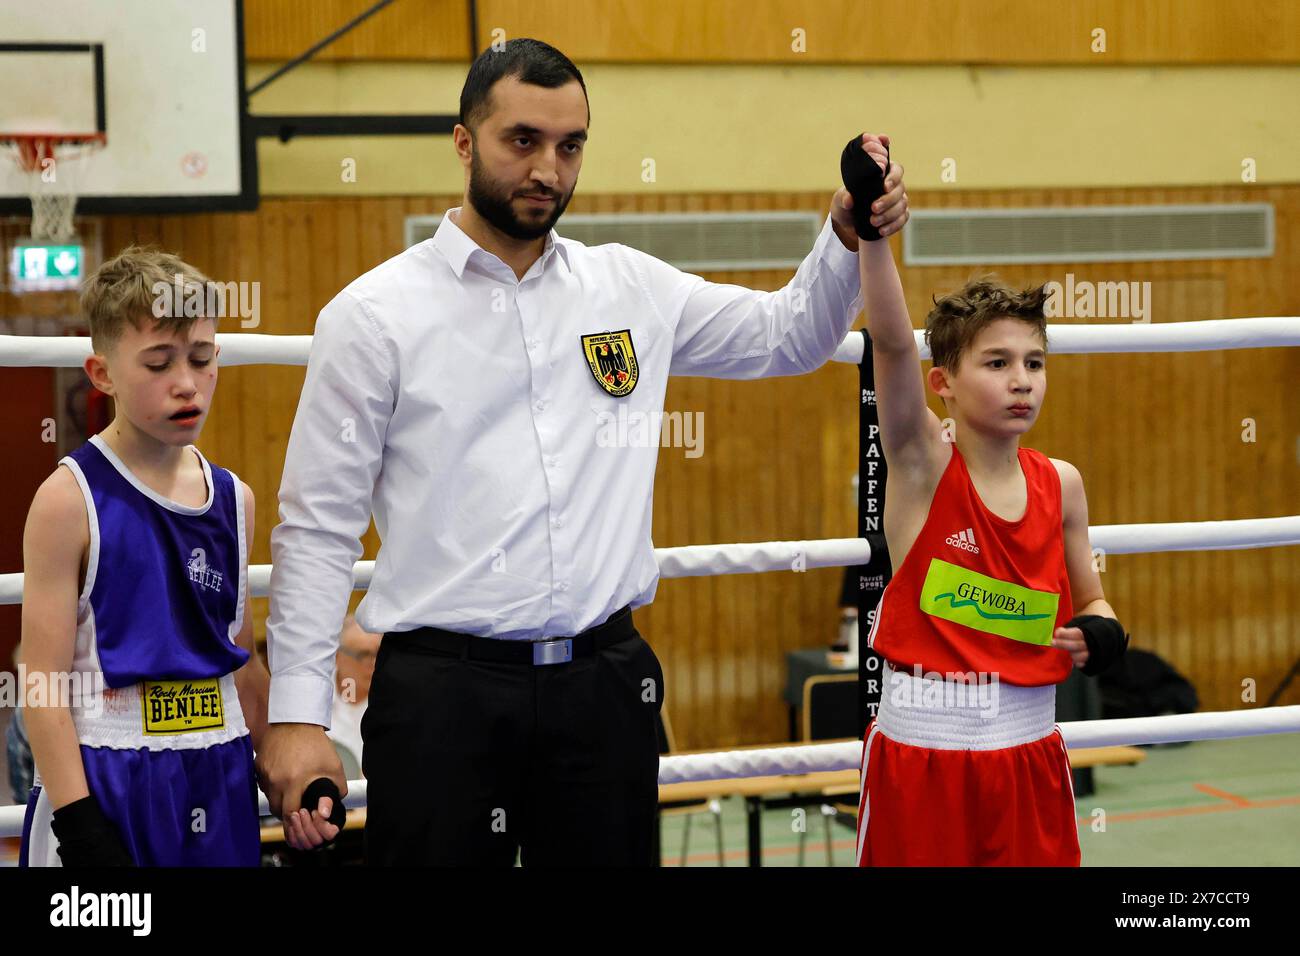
column 1209, row 803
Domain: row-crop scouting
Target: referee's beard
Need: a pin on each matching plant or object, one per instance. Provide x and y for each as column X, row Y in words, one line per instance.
column 496, row 204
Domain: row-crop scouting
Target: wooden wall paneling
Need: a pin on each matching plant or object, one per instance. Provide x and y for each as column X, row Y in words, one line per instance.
column 1211, row 654
column 927, row 31
column 218, row 264
column 409, row 30
column 691, row 396
column 754, row 518
column 1161, row 417
column 1157, row 438
column 716, row 674
column 794, row 476
column 736, row 510
column 281, row 304
column 1207, row 443
column 241, row 412
column 671, row 626
column 306, row 240
column 740, row 31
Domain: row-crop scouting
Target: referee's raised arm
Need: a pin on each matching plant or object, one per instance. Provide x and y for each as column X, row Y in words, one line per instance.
column 722, row 330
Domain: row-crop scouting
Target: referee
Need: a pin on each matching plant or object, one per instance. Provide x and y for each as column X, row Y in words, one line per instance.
column 456, row 391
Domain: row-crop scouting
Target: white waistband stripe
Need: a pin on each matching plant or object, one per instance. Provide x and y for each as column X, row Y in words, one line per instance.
column 115, row 718
column 953, row 715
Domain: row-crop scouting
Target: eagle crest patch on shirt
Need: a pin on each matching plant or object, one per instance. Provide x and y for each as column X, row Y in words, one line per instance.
column 612, row 359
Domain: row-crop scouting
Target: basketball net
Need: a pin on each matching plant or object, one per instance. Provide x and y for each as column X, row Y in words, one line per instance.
column 53, row 165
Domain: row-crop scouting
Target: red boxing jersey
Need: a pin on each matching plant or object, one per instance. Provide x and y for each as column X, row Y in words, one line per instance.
column 980, row 593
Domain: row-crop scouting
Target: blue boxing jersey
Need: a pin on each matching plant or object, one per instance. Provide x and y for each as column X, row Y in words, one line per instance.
column 163, row 741
column 164, row 591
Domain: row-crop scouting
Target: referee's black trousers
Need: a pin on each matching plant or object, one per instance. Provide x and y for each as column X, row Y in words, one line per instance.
column 471, row 760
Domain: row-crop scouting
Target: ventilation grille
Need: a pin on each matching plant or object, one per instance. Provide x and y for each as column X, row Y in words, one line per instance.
column 693, row 242
column 1088, row 234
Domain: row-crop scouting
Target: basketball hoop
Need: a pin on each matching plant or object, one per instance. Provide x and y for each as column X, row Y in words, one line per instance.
column 54, row 164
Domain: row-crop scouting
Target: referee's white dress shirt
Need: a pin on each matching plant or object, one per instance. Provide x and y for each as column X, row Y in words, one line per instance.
column 458, row 403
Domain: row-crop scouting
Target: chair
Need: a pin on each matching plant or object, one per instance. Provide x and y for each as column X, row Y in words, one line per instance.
column 351, row 762
column 830, row 712
column 687, row 808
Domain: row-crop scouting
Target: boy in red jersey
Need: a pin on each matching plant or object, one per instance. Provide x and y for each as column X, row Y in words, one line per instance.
column 963, row 764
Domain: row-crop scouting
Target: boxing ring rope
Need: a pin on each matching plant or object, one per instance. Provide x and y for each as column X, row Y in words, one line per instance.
column 816, row 758
column 1256, row 333
column 813, row 758
column 244, row 348
column 698, row 560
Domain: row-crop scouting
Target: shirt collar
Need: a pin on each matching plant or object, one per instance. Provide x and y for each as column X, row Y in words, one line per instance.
column 458, row 247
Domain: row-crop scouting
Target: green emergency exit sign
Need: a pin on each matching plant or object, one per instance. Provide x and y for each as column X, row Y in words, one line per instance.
column 38, row 267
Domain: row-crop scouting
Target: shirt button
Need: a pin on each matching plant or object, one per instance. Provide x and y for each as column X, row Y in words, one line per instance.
column 553, row 461
column 562, row 586
column 540, row 406
column 559, row 522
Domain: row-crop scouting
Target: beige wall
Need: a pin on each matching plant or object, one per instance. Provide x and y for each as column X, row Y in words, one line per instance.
column 763, row 128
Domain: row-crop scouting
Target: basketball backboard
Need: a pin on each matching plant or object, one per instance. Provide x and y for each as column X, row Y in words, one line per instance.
column 162, row 79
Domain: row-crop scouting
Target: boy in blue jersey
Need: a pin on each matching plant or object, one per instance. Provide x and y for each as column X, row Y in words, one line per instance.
column 135, row 602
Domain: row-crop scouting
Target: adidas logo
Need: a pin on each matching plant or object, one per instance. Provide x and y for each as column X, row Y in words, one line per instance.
column 964, row 540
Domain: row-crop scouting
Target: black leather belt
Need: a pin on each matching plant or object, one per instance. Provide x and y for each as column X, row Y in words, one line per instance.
column 556, row 650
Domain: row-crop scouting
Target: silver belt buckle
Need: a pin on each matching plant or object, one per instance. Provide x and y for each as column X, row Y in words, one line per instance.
column 552, row 652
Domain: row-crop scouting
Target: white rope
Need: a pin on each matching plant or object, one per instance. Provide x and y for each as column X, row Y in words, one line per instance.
column 1214, row 725
column 753, row 557
column 255, row 349
column 701, row 559
column 1079, row 734
column 245, row 348
column 762, row 762
column 237, row 348
column 815, row 758
column 1196, row 535
column 1212, row 334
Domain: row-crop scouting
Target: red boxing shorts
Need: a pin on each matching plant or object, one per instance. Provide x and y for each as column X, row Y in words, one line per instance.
column 965, row 774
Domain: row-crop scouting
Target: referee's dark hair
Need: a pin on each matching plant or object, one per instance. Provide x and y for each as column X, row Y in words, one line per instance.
column 532, row 61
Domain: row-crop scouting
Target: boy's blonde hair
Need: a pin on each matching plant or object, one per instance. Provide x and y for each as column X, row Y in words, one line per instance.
column 127, row 288
column 956, row 319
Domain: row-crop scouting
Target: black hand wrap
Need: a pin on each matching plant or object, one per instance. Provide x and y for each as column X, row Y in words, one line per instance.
column 87, row 837
column 865, row 181
column 1105, row 638
column 325, row 787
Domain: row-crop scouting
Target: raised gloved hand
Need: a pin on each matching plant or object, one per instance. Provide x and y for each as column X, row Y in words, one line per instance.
column 864, row 178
